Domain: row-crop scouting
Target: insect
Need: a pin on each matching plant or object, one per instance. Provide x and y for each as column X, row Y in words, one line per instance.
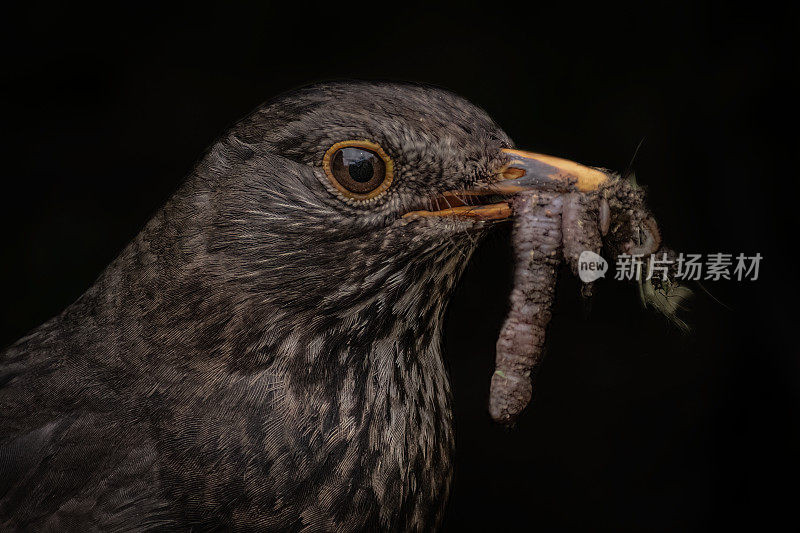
column 590, row 210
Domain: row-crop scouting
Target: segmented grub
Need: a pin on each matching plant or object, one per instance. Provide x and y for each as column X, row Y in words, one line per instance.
column 581, row 228
column 537, row 236
column 550, row 226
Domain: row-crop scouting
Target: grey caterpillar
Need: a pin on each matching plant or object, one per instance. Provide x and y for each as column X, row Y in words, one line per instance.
column 537, row 249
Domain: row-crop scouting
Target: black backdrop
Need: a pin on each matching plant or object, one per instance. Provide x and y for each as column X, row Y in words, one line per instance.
column 634, row 426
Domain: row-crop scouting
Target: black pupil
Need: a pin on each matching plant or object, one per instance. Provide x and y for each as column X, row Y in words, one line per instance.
column 358, row 164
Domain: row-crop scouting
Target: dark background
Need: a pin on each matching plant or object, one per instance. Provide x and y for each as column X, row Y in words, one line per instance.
column 634, row 426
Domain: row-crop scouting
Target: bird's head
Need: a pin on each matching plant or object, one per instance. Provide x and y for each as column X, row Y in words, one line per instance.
column 356, row 205
column 341, row 193
column 337, row 198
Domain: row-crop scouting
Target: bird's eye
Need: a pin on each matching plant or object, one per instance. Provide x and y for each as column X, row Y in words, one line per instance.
column 358, row 169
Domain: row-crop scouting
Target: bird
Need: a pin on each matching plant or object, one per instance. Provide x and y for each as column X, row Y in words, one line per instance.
column 266, row 354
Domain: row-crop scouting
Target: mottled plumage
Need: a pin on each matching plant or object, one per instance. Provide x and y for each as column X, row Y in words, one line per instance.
column 264, row 354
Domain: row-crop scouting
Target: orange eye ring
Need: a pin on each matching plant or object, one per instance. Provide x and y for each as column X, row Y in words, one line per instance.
column 358, row 169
